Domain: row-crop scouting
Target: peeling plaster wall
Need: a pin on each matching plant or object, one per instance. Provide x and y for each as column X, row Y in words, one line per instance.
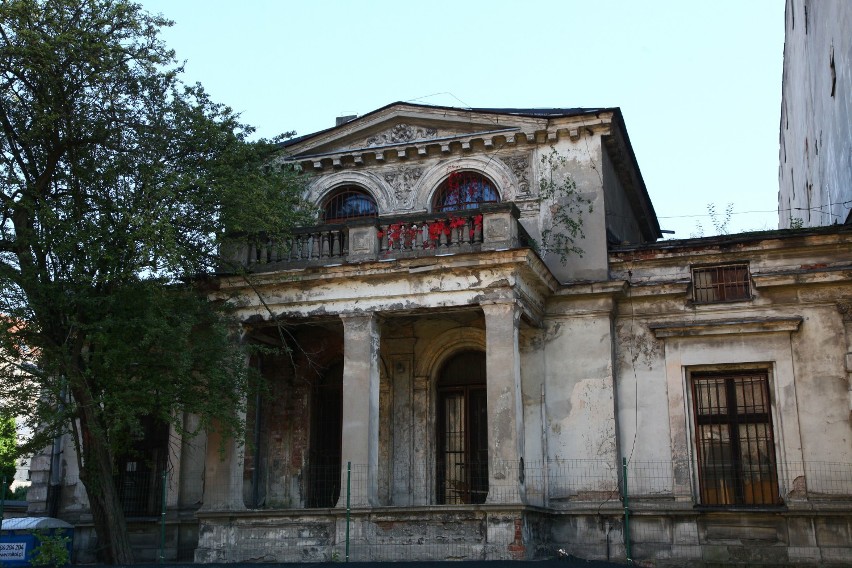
column 580, row 405
column 585, row 163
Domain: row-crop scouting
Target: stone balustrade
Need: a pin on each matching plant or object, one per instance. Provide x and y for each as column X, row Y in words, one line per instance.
column 491, row 227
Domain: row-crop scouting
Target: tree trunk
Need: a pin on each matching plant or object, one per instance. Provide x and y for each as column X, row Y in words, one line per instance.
column 97, row 476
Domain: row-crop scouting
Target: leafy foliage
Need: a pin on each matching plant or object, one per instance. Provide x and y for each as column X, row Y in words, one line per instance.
column 8, row 449
column 52, row 550
column 557, row 190
column 118, row 185
column 719, row 221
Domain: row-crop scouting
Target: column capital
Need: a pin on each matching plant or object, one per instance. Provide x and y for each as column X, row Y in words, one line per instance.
column 497, row 308
column 358, row 318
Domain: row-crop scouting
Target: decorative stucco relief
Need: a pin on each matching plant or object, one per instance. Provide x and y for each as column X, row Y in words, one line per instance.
column 520, row 166
column 401, row 133
column 844, row 306
column 402, row 181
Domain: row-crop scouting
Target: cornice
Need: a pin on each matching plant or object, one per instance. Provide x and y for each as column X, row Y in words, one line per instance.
column 449, row 145
column 725, row 327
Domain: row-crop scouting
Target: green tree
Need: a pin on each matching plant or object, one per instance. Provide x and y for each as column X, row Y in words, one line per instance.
column 8, row 449
column 118, row 183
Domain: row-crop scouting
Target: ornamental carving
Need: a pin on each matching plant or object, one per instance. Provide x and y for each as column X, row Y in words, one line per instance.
column 520, row 166
column 844, row 306
column 401, row 133
column 402, row 181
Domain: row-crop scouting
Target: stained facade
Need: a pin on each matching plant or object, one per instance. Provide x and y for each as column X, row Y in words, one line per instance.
column 469, row 394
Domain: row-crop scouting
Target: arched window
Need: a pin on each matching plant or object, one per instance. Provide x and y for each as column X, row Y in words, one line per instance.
column 462, row 431
column 464, row 190
column 322, row 481
column 349, row 202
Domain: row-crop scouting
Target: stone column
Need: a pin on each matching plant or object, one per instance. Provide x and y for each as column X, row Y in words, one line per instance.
column 421, row 463
column 360, row 408
column 175, row 445
column 505, row 410
column 223, row 472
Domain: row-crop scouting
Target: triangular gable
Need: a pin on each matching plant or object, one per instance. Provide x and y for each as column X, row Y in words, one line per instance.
column 401, row 124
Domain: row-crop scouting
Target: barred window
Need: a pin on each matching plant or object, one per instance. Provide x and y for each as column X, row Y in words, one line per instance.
column 139, row 475
column 347, row 203
column 464, row 190
column 726, row 283
column 733, row 438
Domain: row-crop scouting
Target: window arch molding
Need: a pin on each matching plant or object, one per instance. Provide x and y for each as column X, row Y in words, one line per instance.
column 322, row 188
column 348, row 202
column 494, row 169
column 445, row 346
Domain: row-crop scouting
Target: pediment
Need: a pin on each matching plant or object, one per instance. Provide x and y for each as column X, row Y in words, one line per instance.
column 402, row 125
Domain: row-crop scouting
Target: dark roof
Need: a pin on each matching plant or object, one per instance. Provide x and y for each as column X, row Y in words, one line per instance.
column 527, row 112
column 732, row 239
column 542, row 112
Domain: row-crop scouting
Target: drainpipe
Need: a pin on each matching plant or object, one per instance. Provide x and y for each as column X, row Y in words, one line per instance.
column 626, row 512
column 544, row 464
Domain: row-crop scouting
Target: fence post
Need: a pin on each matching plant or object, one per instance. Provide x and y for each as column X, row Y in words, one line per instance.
column 3, row 501
column 348, row 495
column 626, row 510
column 163, row 519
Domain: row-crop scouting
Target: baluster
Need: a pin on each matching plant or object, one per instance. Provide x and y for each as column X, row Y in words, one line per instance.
column 335, row 243
column 466, row 230
column 420, row 238
column 307, row 245
column 315, row 246
column 325, row 247
column 383, row 241
column 299, row 246
column 442, row 240
column 477, row 230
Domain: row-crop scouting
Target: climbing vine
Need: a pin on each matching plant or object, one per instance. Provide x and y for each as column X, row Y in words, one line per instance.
column 557, row 191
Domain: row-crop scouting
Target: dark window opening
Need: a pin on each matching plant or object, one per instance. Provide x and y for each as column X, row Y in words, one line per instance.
column 464, row 190
column 323, row 472
column 733, row 436
column 139, row 472
column 721, row 283
column 462, row 460
column 349, row 203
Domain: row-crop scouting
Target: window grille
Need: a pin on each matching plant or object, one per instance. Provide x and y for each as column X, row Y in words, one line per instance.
column 349, row 203
column 462, row 421
column 721, row 283
column 464, row 190
column 139, row 475
column 734, row 441
column 322, row 481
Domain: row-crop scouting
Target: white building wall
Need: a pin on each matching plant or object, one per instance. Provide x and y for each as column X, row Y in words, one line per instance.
column 815, row 171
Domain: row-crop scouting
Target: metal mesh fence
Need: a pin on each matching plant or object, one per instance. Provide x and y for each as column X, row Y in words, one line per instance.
column 546, row 509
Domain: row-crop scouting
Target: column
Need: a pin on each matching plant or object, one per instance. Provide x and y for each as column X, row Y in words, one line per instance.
column 421, row 464
column 360, row 444
column 175, row 445
column 505, row 410
column 223, row 472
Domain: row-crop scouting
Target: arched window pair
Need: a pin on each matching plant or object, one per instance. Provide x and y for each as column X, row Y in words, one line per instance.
column 461, row 190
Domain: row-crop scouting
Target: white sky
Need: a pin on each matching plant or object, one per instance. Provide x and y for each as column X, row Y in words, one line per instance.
column 699, row 82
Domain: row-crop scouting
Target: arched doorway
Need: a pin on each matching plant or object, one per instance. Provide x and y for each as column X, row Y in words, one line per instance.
column 323, row 479
column 462, row 431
